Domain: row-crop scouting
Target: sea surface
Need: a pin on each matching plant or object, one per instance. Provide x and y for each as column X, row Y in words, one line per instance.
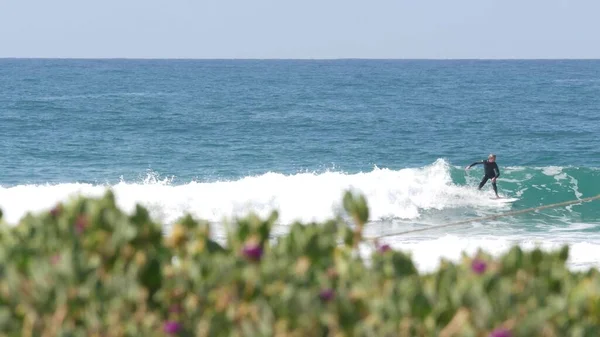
column 221, row 138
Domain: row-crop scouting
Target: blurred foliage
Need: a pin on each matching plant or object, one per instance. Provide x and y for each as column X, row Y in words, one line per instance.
column 86, row 268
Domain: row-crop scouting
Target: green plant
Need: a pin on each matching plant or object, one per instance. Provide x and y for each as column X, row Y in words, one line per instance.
column 88, row 269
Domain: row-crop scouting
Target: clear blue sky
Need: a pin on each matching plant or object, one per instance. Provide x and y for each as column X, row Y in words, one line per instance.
column 300, row 29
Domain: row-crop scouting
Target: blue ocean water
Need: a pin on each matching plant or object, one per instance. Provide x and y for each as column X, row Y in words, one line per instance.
column 224, row 137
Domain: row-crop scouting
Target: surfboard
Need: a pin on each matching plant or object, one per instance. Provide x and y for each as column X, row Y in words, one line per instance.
column 504, row 199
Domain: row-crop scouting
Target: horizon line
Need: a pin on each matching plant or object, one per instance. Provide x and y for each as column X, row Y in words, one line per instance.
column 298, row 59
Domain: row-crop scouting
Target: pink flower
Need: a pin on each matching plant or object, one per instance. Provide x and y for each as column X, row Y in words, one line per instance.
column 172, row 327
column 80, row 224
column 55, row 212
column 326, row 295
column 253, row 252
column 384, row 248
column 478, row 266
column 500, row 333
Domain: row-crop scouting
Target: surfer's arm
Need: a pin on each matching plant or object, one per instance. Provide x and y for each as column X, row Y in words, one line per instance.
column 496, row 171
column 475, row 163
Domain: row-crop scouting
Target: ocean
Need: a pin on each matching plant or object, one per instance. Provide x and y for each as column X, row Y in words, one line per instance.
column 221, row 138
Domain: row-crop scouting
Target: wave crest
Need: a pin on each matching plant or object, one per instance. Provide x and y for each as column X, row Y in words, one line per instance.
column 403, row 194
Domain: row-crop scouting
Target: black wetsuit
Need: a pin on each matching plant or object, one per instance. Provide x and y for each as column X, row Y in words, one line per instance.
column 491, row 171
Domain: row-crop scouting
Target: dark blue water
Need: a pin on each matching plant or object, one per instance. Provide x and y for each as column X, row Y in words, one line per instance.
column 217, row 138
column 93, row 120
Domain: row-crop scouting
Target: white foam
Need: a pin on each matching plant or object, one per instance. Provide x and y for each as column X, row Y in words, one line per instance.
column 561, row 176
column 575, row 187
column 511, row 169
column 552, row 170
column 427, row 252
column 403, row 194
column 520, row 192
column 573, row 226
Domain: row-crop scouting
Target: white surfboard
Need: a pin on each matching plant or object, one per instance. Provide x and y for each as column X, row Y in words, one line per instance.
column 504, row 199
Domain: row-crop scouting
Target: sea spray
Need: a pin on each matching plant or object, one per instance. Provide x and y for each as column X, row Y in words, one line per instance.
column 392, row 194
column 399, row 200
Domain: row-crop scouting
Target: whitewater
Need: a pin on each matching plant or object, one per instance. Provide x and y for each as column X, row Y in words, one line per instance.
column 399, row 200
column 222, row 138
column 402, row 194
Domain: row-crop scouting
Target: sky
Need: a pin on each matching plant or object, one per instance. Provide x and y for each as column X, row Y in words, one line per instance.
column 306, row 29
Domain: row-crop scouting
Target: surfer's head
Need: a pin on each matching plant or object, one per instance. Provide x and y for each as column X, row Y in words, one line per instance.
column 492, row 157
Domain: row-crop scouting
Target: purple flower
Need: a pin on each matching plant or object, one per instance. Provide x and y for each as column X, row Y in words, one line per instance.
column 384, row 248
column 172, row 327
column 500, row 333
column 253, row 251
column 55, row 211
column 80, row 224
column 478, row 266
column 326, row 294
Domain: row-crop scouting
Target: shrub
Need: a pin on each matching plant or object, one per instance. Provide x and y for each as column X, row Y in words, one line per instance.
column 88, row 269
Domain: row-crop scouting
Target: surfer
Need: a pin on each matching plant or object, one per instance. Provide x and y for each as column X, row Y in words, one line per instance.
column 492, row 172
